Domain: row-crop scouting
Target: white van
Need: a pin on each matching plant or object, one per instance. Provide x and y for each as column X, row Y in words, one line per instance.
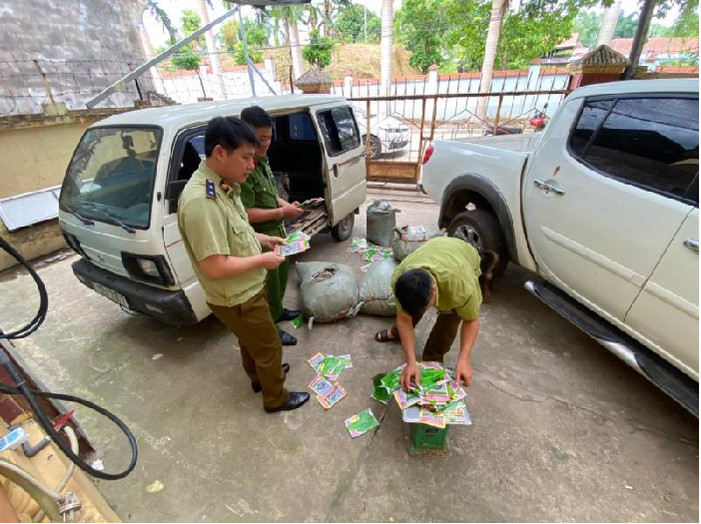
column 118, row 203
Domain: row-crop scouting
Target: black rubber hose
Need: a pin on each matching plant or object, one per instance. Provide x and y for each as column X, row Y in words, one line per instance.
column 43, row 297
column 21, row 387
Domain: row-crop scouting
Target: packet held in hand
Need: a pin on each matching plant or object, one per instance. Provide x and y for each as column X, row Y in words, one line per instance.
column 312, row 202
column 361, row 423
column 294, row 243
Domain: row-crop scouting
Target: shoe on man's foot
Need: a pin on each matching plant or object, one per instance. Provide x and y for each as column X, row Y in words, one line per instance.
column 288, row 314
column 286, row 338
column 295, row 400
column 256, row 387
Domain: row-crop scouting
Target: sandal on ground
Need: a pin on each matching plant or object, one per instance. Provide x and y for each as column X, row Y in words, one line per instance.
column 383, row 336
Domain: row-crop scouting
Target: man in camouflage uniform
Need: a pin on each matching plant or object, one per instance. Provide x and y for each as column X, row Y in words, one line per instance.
column 227, row 258
column 266, row 211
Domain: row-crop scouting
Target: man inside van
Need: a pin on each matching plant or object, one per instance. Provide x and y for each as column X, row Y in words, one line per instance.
column 450, row 275
column 227, row 258
column 266, row 211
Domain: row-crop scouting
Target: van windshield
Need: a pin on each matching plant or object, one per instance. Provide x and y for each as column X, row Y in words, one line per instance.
column 110, row 177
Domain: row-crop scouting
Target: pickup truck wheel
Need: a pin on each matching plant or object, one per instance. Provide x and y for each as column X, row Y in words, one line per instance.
column 342, row 231
column 481, row 229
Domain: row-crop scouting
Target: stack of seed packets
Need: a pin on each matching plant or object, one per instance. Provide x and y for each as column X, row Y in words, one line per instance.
column 328, row 368
column 294, row 243
column 361, row 423
column 437, row 400
column 369, row 252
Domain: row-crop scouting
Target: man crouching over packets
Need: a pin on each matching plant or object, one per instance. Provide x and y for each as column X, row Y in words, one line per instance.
column 228, row 260
column 450, row 275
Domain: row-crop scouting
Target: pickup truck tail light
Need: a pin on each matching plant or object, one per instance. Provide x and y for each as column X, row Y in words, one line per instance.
column 427, row 154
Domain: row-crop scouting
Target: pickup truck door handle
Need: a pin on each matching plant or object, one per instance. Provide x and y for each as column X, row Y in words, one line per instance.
column 547, row 187
column 692, row 244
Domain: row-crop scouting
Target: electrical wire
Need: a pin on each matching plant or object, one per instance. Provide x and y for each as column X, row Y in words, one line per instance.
column 21, row 387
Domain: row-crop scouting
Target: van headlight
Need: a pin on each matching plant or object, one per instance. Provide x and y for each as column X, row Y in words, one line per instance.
column 148, row 268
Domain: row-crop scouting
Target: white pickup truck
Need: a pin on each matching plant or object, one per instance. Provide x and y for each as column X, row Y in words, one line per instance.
column 603, row 206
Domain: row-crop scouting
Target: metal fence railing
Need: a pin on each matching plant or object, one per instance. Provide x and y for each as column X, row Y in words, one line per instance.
column 401, row 125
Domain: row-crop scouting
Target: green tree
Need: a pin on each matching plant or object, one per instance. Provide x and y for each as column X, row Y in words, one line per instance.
column 626, row 25
column 256, row 37
column 536, row 28
column 350, row 24
column 422, row 26
column 587, row 25
column 318, row 52
column 687, row 24
column 191, row 22
column 189, row 60
column 159, row 14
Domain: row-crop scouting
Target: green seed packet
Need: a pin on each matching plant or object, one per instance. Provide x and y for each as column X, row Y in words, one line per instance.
column 296, row 322
column 361, row 423
column 382, row 394
column 429, row 377
column 391, row 380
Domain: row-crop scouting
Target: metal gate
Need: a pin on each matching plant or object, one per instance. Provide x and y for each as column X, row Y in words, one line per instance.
column 402, row 125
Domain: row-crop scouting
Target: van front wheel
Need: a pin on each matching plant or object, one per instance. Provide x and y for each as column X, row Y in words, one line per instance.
column 342, row 231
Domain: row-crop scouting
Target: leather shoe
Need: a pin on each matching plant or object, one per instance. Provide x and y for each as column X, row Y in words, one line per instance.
column 288, row 314
column 286, row 338
column 256, row 387
column 295, row 400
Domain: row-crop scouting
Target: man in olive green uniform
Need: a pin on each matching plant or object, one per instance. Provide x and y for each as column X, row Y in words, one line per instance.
column 445, row 274
column 227, row 258
column 266, row 211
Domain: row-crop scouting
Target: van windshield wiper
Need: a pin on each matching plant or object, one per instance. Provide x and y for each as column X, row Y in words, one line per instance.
column 113, row 218
column 85, row 220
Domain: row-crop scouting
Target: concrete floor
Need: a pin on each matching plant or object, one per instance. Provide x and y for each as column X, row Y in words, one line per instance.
column 562, row 430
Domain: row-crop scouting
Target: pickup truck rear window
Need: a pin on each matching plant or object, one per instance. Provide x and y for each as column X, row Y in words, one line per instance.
column 652, row 143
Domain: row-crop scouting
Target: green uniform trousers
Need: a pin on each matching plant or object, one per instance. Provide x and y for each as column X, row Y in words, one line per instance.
column 442, row 335
column 276, row 281
column 261, row 350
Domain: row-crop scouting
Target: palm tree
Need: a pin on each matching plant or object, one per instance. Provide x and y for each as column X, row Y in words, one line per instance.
column 211, row 49
column 160, row 15
column 499, row 8
column 608, row 26
column 290, row 15
column 387, row 15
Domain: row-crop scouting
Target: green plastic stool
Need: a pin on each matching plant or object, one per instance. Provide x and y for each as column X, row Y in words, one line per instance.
column 428, row 441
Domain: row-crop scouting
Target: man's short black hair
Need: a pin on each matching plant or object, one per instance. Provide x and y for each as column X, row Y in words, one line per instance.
column 229, row 132
column 257, row 117
column 413, row 290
